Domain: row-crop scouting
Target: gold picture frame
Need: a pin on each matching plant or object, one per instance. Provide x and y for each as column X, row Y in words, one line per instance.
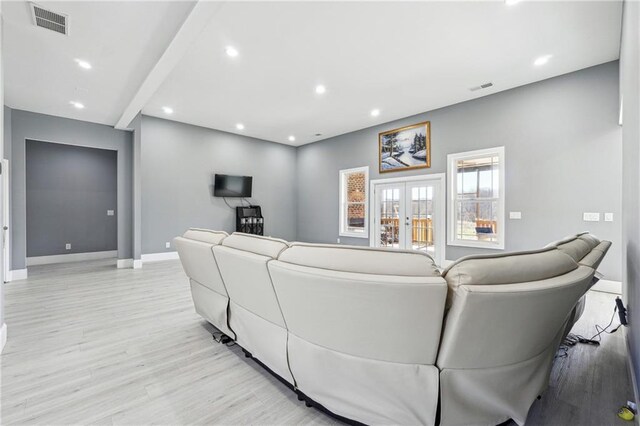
column 405, row 148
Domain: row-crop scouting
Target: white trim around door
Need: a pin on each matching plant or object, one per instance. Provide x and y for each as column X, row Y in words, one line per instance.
column 440, row 180
column 6, row 212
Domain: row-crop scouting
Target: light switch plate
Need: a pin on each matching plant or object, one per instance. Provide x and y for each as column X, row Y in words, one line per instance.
column 110, row 212
column 338, row 240
column 67, row 246
column 591, row 217
column 608, row 217
column 167, row 245
column 515, row 215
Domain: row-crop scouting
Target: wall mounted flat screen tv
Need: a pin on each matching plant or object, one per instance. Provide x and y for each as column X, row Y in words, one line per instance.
column 232, row 186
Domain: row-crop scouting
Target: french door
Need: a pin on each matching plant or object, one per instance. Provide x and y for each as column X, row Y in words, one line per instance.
column 409, row 214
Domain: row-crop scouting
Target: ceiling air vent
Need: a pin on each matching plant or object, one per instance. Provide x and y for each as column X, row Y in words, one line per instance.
column 50, row 20
column 482, row 86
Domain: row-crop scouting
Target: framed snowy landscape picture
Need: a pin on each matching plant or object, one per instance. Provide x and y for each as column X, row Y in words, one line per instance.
column 405, row 148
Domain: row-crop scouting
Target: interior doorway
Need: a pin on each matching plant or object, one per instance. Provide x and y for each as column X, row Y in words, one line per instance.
column 71, row 203
column 409, row 213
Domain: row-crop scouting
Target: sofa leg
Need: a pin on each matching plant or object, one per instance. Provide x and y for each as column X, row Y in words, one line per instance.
column 300, row 397
column 246, row 353
column 307, row 403
column 539, row 397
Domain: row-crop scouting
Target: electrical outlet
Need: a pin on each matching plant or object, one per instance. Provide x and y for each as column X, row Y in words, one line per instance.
column 110, row 212
column 67, row 246
column 608, row 217
column 591, row 217
column 515, row 215
column 338, row 240
column 167, row 245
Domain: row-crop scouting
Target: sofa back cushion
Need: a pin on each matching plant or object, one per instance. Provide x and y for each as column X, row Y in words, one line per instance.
column 362, row 302
column 577, row 246
column 194, row 249
column 242, row 260
column 265, row 246
column 596, row 255
column 205, row 235
column 365, row 260
column 508, row 268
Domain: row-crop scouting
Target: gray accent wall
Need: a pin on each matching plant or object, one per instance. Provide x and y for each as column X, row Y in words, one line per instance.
column 29, row 125
column 630, row 95
column 563, row 157
column 69, row 191
column 178, row 162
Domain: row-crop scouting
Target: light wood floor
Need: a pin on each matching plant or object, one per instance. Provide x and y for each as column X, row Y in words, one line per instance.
column 91, row 344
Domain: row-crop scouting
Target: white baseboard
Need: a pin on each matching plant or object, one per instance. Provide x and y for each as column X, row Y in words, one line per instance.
column 157, row 257
column 71, row 257
column 3, row 336
column 137, row 264
column 124, row 263
column 607, row 286
column 17, row 275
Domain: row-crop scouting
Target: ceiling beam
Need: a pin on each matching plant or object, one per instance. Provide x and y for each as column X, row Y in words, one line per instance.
column 196, row 22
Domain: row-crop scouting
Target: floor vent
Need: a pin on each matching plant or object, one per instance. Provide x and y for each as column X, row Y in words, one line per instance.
column 50, row 20
column 482, row 86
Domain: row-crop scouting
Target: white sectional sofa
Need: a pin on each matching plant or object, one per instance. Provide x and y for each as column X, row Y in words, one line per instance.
column 381, row 336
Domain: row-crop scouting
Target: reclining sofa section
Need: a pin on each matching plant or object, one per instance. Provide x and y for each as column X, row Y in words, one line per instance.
column 364, row 328
column 380, row 336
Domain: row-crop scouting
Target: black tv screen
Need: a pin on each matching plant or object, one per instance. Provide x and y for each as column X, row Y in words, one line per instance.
column 232, row 186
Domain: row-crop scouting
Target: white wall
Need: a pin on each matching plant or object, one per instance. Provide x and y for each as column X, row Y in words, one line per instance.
column 630, row 93
column 3, row 327
column 563, row 157
column 178, row 162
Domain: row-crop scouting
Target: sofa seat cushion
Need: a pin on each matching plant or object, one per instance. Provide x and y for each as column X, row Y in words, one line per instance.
column 366, row 260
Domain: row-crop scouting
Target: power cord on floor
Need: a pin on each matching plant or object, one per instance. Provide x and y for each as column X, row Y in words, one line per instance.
column 597, row 338
column 223, row 339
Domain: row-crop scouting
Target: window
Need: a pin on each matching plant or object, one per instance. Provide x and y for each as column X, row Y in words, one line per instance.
column 476, row 198
column 353, row 202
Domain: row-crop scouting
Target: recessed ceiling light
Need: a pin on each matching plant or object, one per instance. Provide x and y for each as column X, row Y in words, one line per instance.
column 511, row 2
column 292, row 138
column 231, row 51
column 542, row 60
column 240, row 126
column 77, row 104
column 320, row 89
column 167, row 110
column 375, row 112
column 83, row 64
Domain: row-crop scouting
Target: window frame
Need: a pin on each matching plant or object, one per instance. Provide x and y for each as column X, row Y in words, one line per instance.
column 342, row 203
column 452, row 177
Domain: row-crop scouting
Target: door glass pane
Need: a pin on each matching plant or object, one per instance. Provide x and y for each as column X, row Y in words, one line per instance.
column 422, row 237
column 390, row 218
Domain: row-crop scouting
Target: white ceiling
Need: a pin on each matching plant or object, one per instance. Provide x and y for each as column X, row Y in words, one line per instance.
column 121, row 40
column 403, row 58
